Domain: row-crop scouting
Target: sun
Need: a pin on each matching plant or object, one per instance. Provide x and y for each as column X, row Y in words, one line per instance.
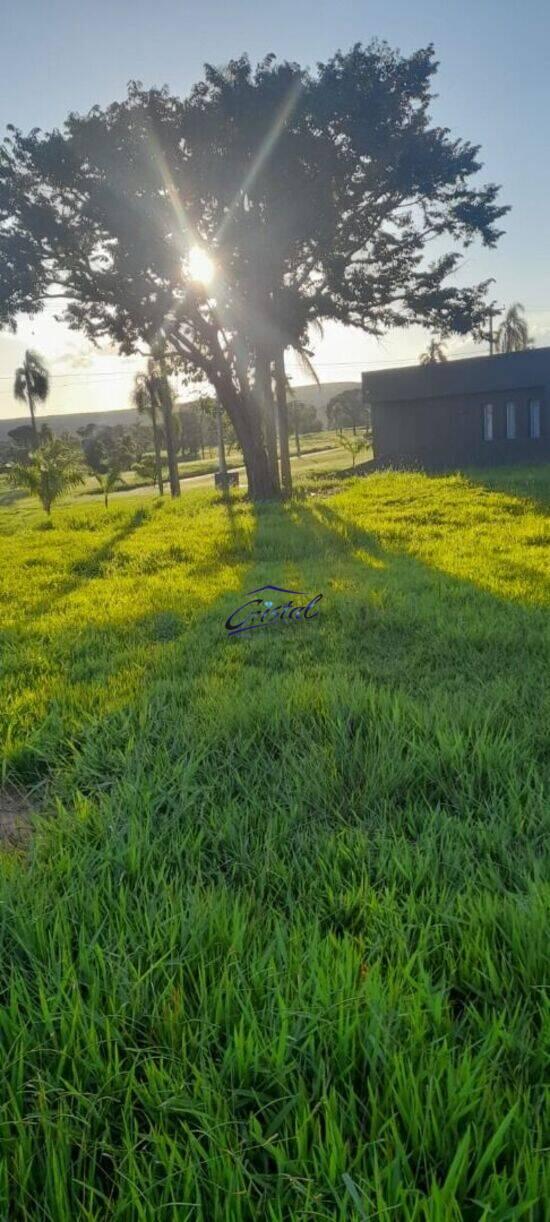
column 201, row 267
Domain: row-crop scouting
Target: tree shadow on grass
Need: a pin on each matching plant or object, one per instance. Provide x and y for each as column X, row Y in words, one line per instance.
column 411, row 688
column 94, row 564
column 387, row 612
column 226, row 830
column 386, row 621
column 504, row 566
column 531, row 485
column 404, row 629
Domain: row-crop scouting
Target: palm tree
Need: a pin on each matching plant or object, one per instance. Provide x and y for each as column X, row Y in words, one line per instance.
column 53, row 469
column 32, row 382
column 146, row 399
column 107, row 481
column 513, row 333
column 435, row 353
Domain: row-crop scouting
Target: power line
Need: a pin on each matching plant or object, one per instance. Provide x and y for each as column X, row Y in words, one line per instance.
column 121, row 373
column 74, row 379
column 99, row 373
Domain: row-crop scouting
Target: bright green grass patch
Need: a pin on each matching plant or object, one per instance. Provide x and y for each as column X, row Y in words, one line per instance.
column 310, row 443
column 281, row 951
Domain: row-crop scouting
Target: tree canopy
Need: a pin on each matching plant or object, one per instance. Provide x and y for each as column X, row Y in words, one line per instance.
column 316, row 196
column 347, row 409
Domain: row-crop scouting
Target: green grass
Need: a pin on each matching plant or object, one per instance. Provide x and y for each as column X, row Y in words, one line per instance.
column 327, row 441
column 277, row 947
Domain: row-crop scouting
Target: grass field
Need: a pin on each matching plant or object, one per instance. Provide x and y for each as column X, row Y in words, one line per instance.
column 277, row 948
column 314, row 448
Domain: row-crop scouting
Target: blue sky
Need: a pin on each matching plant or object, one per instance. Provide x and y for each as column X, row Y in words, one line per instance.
column 493, row 88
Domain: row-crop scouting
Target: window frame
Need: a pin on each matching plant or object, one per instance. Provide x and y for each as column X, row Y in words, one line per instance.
column 488, row 422
column 534, row 419
column 511, row 419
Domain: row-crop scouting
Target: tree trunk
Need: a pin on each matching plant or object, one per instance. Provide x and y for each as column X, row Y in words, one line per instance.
column 30, row 398
column 244, row 416
column 261, row 484
column 282, row 421
column 264, row 396
column 245, row 413
column 221, row 448
column 156, row 443
column 31, row 409
column 168, row 421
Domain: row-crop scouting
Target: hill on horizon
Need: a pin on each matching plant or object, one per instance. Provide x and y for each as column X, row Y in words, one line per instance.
column 69, row 422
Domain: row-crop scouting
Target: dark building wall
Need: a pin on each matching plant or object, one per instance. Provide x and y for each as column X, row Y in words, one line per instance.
column 432, row 415
column 448, row 430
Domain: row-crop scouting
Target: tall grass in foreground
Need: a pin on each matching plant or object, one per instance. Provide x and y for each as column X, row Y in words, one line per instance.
column 278, row 951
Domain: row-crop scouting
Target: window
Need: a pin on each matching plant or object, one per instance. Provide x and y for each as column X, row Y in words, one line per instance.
column 488, row 422
column 511, row 421
column 534, row 419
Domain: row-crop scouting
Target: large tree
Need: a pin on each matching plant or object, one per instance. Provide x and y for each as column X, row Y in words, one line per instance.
column 315, row 196
column 347, row 409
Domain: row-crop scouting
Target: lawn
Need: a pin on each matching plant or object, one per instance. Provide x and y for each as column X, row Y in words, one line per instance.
column 323, row 448
column 277, row 946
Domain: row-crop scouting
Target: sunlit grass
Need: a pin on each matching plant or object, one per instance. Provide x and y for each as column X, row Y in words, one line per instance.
column 278, row 948
column 321, row 450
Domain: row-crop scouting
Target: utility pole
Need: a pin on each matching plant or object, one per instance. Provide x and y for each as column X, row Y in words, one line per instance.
column 222, row 464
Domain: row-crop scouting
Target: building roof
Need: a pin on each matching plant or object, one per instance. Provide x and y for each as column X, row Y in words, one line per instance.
column 475, row 375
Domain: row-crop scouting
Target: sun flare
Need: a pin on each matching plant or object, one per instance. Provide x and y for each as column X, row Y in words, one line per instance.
column 201, row 267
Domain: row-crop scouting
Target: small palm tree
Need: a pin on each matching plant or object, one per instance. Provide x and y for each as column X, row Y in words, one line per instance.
column 513, row 333
column 107, row 480
column 53, row 469
column 32, row 384
column 146, row 398
column 353, row 445
column 435, row 353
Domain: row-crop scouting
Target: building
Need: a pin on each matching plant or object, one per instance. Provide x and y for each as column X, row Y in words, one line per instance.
column 490, row 409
